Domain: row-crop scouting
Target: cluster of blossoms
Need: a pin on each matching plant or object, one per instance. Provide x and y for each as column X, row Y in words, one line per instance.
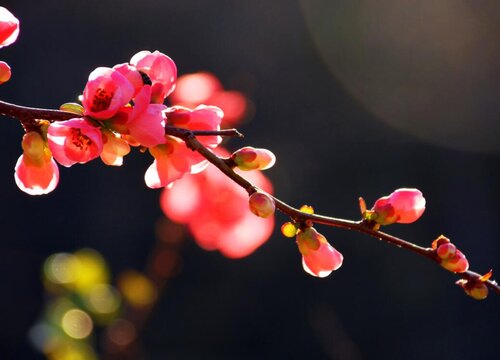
column 121, row 107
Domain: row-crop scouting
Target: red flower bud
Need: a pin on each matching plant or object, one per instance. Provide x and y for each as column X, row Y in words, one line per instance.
column 319, row 258
column 261, row 204
column 402, row 206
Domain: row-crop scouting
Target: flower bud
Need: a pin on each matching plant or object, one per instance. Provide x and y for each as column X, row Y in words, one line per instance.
column 446, row 251
column 261, row 204
column 476, row 289
column 249, row 158
column 319, row 258
column 402, row 206
column 5, row 72
column 457, row 263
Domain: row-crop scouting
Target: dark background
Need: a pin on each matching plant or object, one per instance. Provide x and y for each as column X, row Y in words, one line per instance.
column 350, row 104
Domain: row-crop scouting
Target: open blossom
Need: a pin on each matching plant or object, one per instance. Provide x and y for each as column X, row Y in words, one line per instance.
column 9, row 27
column 402, row 206
column 36, row 172
column 106, row 91
column 74, row 141
column 145, row 123
column 172, row 161
column 160, row 69
column 216, row 211
column 203, row 117
column 319, row 258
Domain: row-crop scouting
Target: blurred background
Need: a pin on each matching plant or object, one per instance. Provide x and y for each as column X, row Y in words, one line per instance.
column 356, row 98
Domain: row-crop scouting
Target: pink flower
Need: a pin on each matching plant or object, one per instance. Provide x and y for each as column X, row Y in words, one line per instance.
column 74, row 141
column 9, row 27
column 36, row 172
column 319, row 258
column 160, row 69
column 114, row 148
column 5, row 72
column 146, row 122
column 204, row 88
column 172, row 161
column 402, row 206
column 105, row 93
column 216, row 211
column 203, row 117
column 132, row 74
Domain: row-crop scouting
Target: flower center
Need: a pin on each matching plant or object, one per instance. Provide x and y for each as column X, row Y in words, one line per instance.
column 79, row 140
column 101, row 100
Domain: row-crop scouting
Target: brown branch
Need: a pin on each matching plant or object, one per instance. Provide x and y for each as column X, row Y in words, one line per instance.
column 300, row 216
column 27, row 113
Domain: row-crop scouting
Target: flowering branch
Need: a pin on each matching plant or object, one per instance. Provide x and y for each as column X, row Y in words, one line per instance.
column 226, row 165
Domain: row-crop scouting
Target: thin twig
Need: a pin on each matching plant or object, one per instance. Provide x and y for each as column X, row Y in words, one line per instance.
column 189, row 137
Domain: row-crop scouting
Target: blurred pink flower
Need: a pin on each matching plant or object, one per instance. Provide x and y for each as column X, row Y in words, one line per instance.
column 216, row 211
column 204, row 88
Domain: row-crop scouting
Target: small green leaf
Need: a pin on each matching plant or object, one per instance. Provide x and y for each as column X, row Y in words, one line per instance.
column 72, row 108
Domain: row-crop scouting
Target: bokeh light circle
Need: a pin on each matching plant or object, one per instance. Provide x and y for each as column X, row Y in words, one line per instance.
column 428, row 68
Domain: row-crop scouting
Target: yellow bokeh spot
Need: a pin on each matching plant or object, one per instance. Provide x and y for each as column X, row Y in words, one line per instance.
column 103, row 299
column 289, row 230
column 77, row 324
column 307, row 209
column 136, row 288
column 59, row 268
column 72, row 351
column 90, row 270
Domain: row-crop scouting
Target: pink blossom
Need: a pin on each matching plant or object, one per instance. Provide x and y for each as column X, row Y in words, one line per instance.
column 402, row 206
column 319, row 258
column 145, row 121
column 114, row 148
column 5, row 72
column 9, row 27
column 170, row 164
column 160, row 69
column 216, row 211
column 203, row 117
column 107, row 90
column 132, row 74
column 36, row 172
column 74, row 141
